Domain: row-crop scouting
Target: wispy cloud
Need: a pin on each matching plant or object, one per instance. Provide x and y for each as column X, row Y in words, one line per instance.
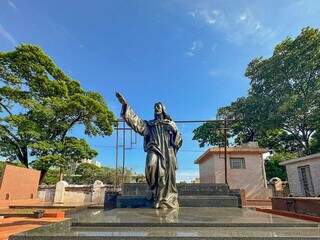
column 251, row 26
column 214, row 72
column 238, row 26
column 214, row 47
column 12, row 5
column 211, row 17
column 195, row 47
column 6, row 35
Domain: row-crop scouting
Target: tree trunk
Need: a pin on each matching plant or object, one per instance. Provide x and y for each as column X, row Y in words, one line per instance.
column 42, row 175
column 305, row 139
column 23, row 157
column 60, row 174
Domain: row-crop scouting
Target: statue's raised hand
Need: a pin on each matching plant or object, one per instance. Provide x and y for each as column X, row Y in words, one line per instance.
column 121, row 99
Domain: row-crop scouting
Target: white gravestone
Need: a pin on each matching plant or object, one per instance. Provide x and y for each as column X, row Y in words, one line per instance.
column 59, row 193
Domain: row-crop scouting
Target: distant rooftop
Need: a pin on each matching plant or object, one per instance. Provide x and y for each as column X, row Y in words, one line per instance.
column 248, row 148
column 309, row 157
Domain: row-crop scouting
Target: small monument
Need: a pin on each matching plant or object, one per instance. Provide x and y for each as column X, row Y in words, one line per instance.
column 162, row 141
column 19, row 185
column 59, row 193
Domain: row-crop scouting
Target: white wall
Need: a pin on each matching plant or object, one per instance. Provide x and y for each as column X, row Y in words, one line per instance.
column 206, row 172
column 293, row 176
column 75, row 194
column 251, row 179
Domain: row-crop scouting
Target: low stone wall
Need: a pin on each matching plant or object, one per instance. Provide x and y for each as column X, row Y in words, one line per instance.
column 63, row 193
column 46, row 193
column 308, row 206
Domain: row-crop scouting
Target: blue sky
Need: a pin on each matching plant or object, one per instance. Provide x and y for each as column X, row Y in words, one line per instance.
column 191, row 55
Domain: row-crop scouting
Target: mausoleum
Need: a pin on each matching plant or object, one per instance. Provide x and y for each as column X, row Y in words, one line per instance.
column 245, row 169
column 304, row 175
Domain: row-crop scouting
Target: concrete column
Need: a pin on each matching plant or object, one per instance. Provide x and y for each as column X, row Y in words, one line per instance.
column 59, row 193
column 97, row 193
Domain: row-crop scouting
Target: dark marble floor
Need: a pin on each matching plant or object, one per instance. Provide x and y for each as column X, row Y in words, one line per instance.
column 186, row 223
column 183, row 215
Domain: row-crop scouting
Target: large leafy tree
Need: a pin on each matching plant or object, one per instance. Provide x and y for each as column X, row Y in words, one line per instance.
column 39, row 106
column 274, row 169
column 87, row 173
column 282, row 110
column 287, row 86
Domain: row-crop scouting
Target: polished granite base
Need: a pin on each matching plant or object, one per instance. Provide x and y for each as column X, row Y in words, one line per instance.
column 138, row 195
column 185, row 223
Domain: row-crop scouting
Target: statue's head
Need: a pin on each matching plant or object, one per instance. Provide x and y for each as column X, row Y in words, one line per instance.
column 160, row 111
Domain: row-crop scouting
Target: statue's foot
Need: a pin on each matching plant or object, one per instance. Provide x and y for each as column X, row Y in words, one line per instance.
column 150, row 195
column 165, row 205
column 156, row 205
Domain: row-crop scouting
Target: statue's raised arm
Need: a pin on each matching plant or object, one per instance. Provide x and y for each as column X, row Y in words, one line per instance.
column 129, row 116
column 121, row 98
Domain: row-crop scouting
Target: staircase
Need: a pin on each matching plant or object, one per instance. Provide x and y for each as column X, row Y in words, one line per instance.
column 137, row 195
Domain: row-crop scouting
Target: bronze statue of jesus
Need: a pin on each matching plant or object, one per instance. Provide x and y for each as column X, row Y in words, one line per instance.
column 162, row 141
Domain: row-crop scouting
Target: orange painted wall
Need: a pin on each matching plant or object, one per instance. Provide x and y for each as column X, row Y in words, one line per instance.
column 19, row 185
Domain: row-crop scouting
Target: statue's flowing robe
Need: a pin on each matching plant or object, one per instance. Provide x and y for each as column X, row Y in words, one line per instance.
column 162, row 140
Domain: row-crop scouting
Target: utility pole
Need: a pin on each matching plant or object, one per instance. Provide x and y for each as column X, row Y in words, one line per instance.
column 225, row 152
column 117, row 155
column 123, row 149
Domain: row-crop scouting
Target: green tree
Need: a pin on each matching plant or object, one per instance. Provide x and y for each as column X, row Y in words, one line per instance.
column 274, row 169
column 209, row 133
column 87, row 173
column 315, row 142
column 52, row 176
column 282, row 110
column 140, row 178
column 2, row 165
column 39, row 106
column 243, row 125
column 61, row 154
column 287, row 86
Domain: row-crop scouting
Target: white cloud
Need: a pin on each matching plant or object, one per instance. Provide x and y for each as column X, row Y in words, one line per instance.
column 243, row 17
column 214, row 47
column 214, row 72
column 6, row 35
column 249, row 26
column 195, row 47
column 193, row 13
column 210, row 17
column 12, row 5
column 238, row 26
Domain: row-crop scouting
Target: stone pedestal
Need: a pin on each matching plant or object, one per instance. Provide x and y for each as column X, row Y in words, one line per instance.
column 137, row 195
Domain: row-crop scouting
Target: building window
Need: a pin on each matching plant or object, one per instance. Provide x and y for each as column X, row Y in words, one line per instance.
column 237, row 163
column 306, row 181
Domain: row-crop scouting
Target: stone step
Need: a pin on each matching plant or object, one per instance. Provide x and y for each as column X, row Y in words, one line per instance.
column 186, row 225
column 133, row 202
column 184, row 201
column 203, row 189
column 200, row 233
column 208, row 201
column 142, row 189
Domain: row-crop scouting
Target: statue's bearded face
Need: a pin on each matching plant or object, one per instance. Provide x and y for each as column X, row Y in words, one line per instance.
column 158, row 109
